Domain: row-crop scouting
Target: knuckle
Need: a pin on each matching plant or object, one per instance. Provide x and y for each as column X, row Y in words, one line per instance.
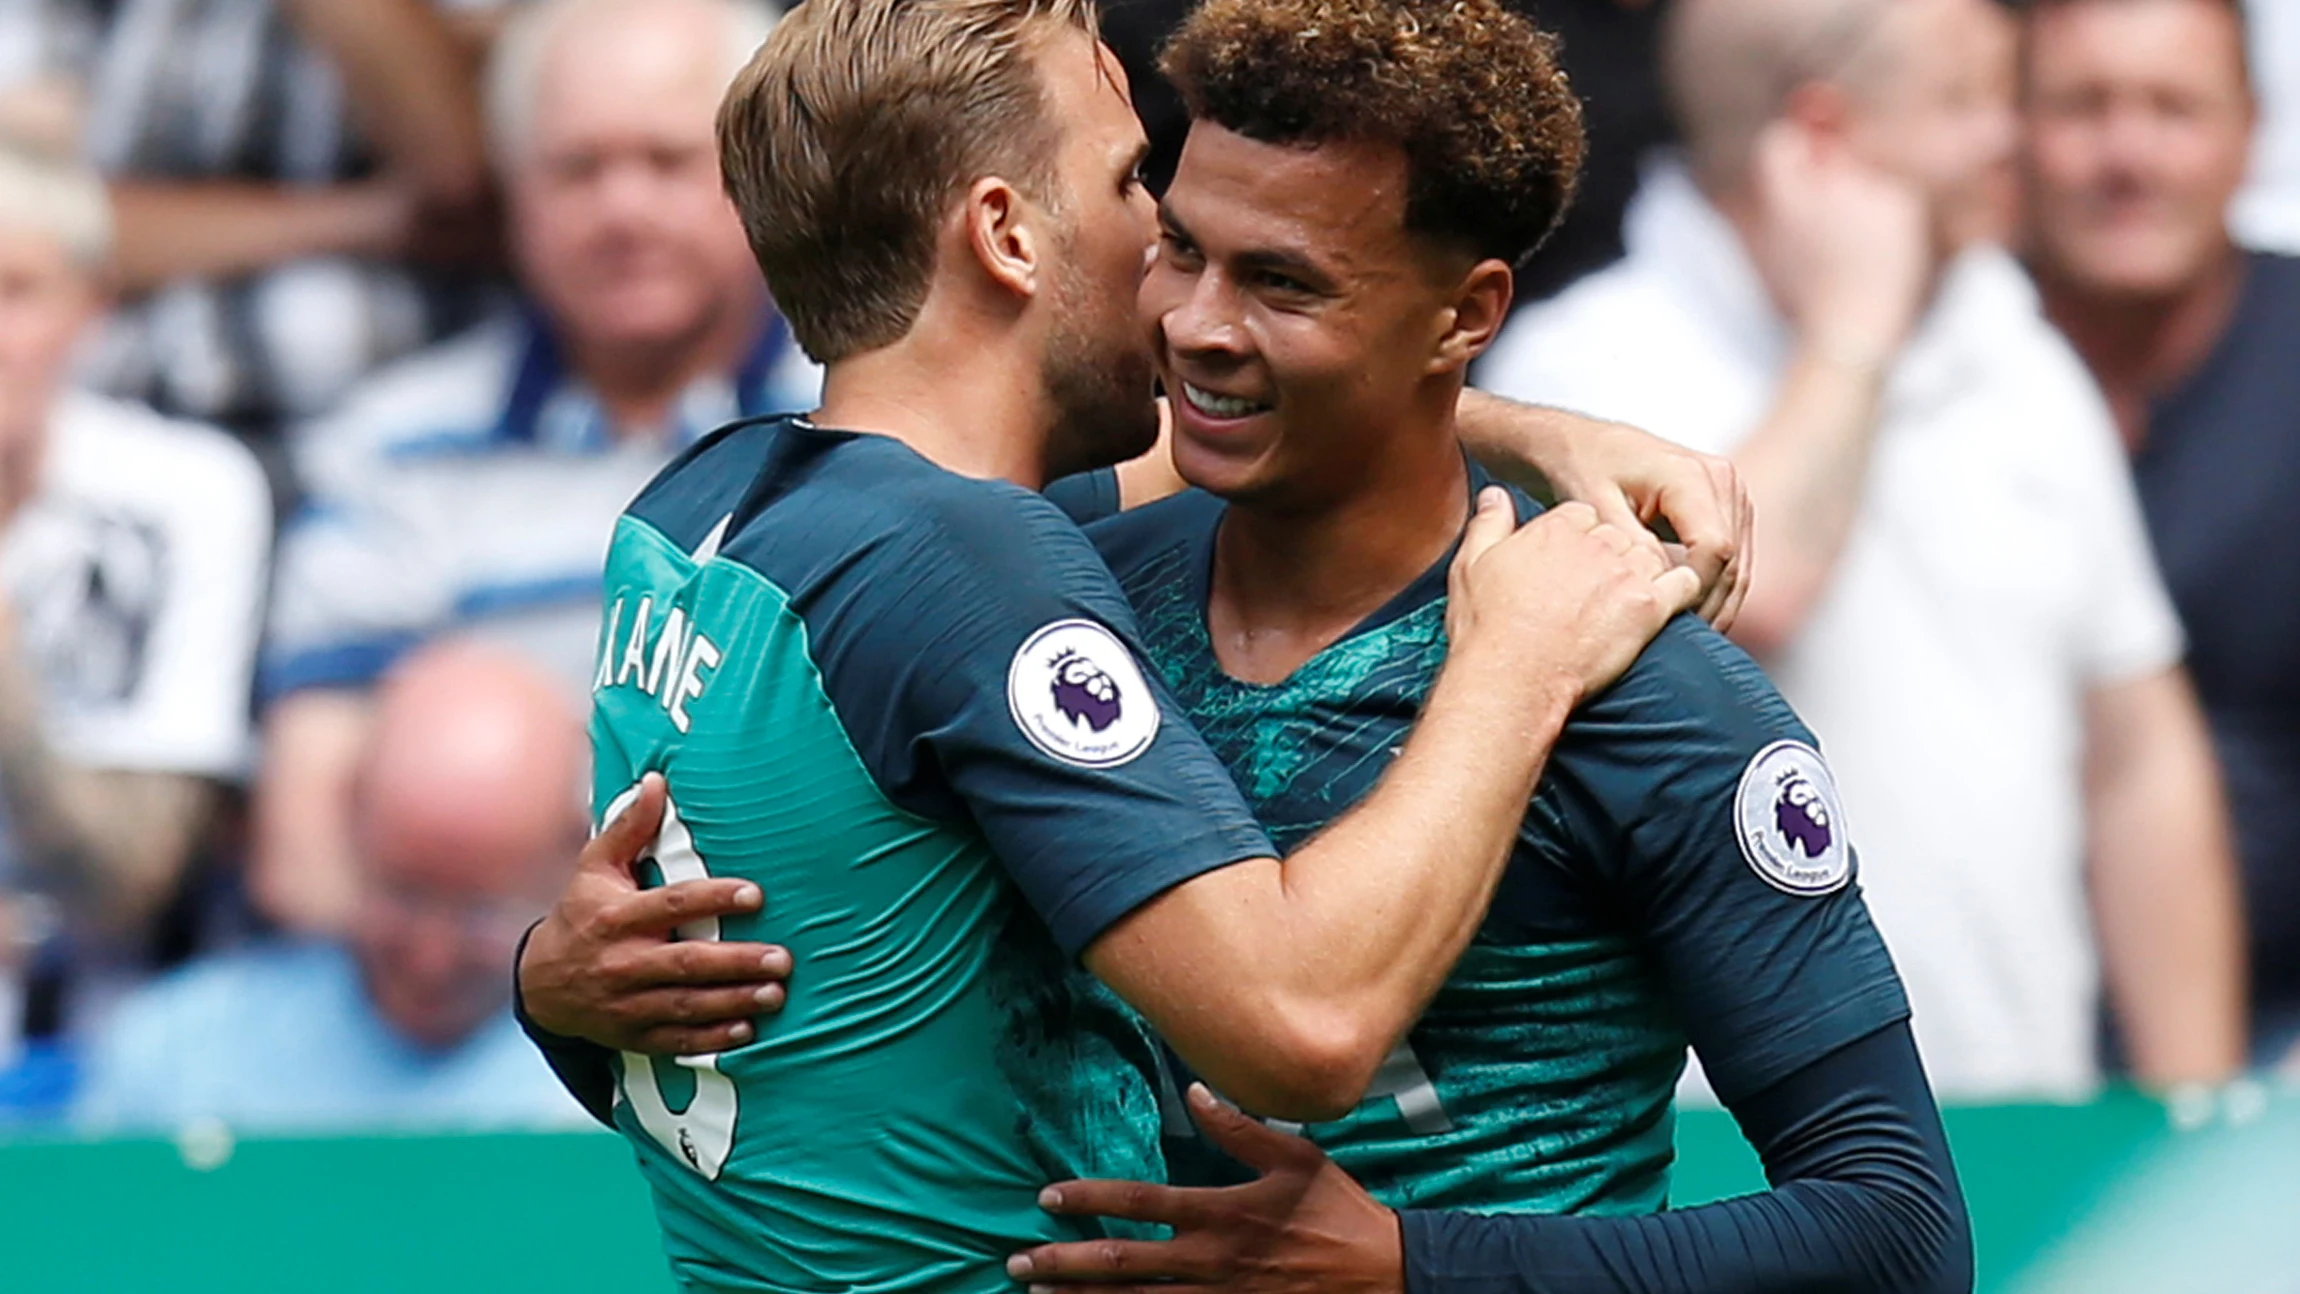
column 617, row 965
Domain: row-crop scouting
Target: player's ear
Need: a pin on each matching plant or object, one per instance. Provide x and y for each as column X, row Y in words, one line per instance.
column 1474, row 318
column 1002, row 231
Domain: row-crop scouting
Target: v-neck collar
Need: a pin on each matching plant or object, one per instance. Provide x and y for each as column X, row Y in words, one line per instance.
column 1425, row 588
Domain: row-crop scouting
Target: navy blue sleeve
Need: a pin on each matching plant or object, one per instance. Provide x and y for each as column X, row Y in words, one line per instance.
column 1864, row 1201
column 584, row 1068
column 1722, row 826
column 1087, row 497
column 999, row 675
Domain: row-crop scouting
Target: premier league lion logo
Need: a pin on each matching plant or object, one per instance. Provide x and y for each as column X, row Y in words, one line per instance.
column 1803, row 817
column 1083, row 692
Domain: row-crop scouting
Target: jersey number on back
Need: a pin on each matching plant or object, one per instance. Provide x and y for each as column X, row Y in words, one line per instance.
column 700, row 1135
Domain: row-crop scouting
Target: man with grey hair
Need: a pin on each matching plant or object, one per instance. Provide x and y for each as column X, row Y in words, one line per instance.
column 1956, row 592
column 472, row 486
column 132, row 562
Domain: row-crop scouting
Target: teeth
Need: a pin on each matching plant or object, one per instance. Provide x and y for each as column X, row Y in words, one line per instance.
column 1214, row 405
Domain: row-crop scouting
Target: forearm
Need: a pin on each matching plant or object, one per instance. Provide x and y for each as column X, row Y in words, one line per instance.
column 1865, row 1201
column 584, row 1068
column 1804, row 467
column 109, row 843
column 1518, row 443
column 2164, row 889
column 1301, row 976
column 164, row 232
column 412, row 87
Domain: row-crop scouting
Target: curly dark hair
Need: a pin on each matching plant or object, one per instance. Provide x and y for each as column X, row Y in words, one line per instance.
column 1470, row 90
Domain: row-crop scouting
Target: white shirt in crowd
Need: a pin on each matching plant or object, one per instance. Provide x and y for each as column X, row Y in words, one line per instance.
column 137, row 576
column 473, row 488
column 1997, row 571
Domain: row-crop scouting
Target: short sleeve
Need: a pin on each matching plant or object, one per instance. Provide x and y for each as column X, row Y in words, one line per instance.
column 359, row 584
column 996, row 672
column 1729, row 850
column 2131, row 628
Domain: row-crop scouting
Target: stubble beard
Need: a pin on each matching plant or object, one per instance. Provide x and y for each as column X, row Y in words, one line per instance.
column 1098, row 377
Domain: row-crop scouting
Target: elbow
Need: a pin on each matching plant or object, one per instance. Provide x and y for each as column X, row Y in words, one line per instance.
column 1936, row 1245
column 1951, row 1271
column 1312, row 1066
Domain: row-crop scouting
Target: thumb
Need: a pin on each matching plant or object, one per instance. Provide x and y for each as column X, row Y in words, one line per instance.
column 619, row 846
column 1679, row 588
column 1244, row 1138
column 1494, row 521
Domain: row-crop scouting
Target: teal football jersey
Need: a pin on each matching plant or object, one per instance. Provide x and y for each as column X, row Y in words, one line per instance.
column 1631, row 920
column 906, row 705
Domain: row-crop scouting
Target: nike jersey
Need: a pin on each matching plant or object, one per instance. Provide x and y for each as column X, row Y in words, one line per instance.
column 907, row 705
column 1682, row 874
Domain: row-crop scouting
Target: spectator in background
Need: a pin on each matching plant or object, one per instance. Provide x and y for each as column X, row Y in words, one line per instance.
column 469, row 794
column 1956, row 591
column 132, row 568
column 2138, row 115
column 275, row 166
column 473, row 486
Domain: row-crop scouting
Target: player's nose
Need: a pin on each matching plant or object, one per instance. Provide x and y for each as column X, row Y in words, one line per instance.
column 1205, row 323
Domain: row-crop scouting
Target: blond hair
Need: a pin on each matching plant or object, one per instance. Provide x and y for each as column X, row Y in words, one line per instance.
column 855, row 127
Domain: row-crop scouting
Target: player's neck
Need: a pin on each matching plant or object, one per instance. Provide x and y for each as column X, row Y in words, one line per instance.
column 1289, row 582
column 957, row 407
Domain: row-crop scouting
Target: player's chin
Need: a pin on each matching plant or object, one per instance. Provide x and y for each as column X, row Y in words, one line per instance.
column 1228, row 468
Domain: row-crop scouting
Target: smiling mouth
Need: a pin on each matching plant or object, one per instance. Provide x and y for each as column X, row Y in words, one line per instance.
column 1213, row 404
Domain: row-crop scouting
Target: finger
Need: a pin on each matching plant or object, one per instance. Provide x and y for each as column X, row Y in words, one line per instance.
column 1707, row 523
column 1737, row 581
column 619, row 846
column 1679, row 589
column 697, row 963
column 1575, row 516
column 1489, row 525
column 688, row 1040
column 1100, row 1262
column 1613, row 508
column 1175, row 1206
column 665, row 908
column 1742, row 566
column 695, row 1008
column 1247, row 1140
column 1616, row 540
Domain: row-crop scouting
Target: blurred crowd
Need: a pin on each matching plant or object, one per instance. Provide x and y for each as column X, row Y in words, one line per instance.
column 335, row 333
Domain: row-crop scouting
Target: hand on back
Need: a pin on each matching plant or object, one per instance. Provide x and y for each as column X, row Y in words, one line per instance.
column 604, row 967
